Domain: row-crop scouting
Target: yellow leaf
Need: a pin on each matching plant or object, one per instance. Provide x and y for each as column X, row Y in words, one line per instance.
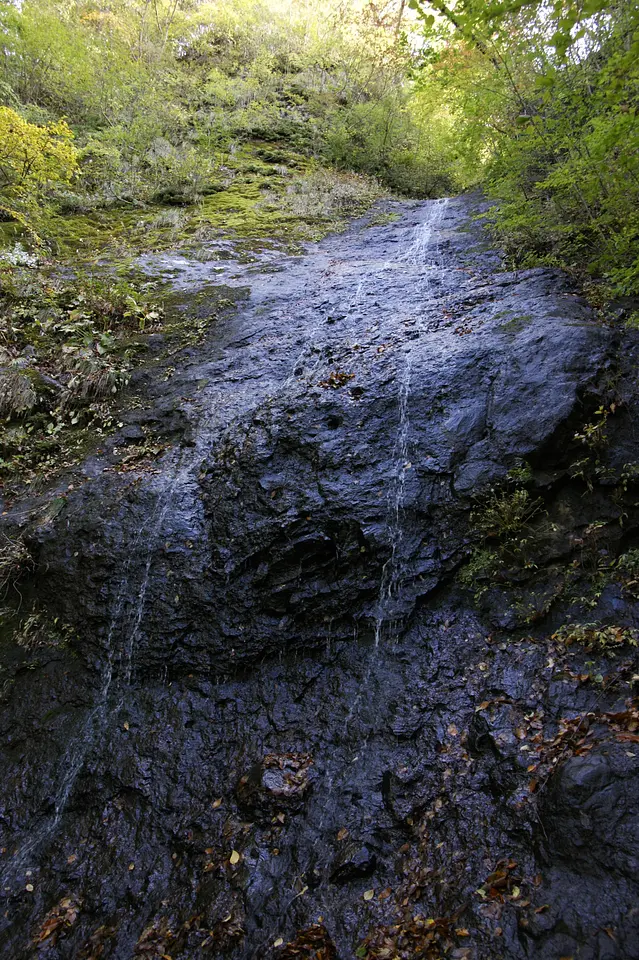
column 217, row 803
column 369, row 895
column 343, row 833
column 278, row 942
column 235, row 857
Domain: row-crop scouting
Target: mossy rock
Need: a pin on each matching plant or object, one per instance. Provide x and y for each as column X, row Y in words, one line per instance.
column 172, row 197
column 211, row 188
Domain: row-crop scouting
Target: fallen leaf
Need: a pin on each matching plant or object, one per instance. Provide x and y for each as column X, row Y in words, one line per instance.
column 131, row 866
column 343, row 833
column 217, row 803
column 278, row 942
column 29, row 888
column 234, row 858
column 369, row 895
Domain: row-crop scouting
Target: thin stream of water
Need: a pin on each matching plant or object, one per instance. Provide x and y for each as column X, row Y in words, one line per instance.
column 416, row 255
column 128, row 624
column 117, row 669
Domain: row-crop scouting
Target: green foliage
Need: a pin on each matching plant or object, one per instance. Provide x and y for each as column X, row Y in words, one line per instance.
column 15, row 560
column 483, row 566
column 628, row 563
column 323, row 195
column 37, row 630
column 502, row 524
column 544, row 99
column 33, row 159
column 504, row 514
column 521, row 473
column 595, row 637
column 66, row 349
column 163, row 97
column 628, row 572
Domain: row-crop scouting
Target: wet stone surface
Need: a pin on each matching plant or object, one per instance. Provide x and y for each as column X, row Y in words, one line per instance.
column 278, row 726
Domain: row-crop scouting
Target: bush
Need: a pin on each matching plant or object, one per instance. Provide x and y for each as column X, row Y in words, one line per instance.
column 33, row 160
column 327, row 194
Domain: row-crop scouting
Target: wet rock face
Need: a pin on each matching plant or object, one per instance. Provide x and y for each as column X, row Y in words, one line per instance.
column 276, row 726
column 279, row 782
column 592, row 812
column 354, row 862
column 391, row 369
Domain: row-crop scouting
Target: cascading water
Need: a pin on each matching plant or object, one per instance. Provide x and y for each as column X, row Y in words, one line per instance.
column 179, row 483
column 81, row 746
column 281, row 747
column 422, row 259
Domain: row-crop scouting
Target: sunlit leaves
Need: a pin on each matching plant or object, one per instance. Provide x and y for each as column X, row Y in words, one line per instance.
column 543, row 95
column 33, row 157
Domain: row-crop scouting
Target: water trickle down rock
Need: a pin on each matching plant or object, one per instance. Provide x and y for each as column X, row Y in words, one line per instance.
column 334, row 433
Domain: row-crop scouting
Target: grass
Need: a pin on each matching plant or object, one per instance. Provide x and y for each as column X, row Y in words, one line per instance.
column 68, row 346
column 15, row 560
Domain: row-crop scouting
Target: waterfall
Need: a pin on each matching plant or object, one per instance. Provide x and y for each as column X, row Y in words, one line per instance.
column 422, row 257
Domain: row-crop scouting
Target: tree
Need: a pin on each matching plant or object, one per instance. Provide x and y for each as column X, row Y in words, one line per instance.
column 33, row 159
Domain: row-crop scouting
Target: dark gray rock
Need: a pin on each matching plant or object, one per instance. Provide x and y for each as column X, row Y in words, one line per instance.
column 279, row 586
column 279, row 782
column 355, row 862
